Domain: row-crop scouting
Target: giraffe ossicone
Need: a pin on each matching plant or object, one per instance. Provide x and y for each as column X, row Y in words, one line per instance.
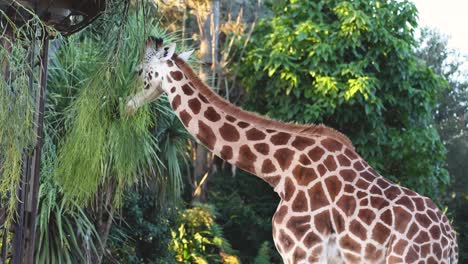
column 334, row 207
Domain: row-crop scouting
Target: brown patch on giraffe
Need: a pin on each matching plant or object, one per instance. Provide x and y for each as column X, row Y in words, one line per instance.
column 413, row 229
column 317, row 197
column 255, row 134
column 273, row 180
column 242, row 124
column 375, row 190
column 378, row 202
column 333, row 186
column 361, row 194
column 367, row 176
column 423, row 220
column 268, row 166
column 361, row 184
column 366, row 215
column 271, row 131
column 411, row 255
column 284, row 156
column 289, row 189
column 419, row 203
column 382, row 183
column 338, row 220
column 347, row 204
column 211, row 114
column 304, row 175
column 330, row 163
column 203, row 98
column 331, row 144
column 402, row 218
column 392, row 192
column 229, row 133
column 304, row 160
column 432, row 215
column 286, row 241
column 410, row 192
column 351, row 154
column 435, row 232
column 195, row 105
column 380, row 233
column 316, row 153
column 170, row 63
column 400, row 246
column 432, row 260
column 187, row 89
column 299, row 255
column 348, row 175
column 311, row 239
column 321, row 169
column 262, row 148
column 386, row 217
column 230, row 118
column 358, row 166
column 372, row 253
column 422, row 237
column 176, row 102
column 246, row 159
column 206, row 135
column 394, row 260
column 349, row 188
column 169, row 79
column 185, row 117
column 300, row 202
column 405, row 202
column 299, row 225
column 226, row 153
column 279, row 214
column 173, row 90
column 351, row 258
column 343, row 160
column 176, row 75
column 302, row 143
column 322, row 223
column 437, row 250
column 358, row 230
column 346, row 242
column 280, row 138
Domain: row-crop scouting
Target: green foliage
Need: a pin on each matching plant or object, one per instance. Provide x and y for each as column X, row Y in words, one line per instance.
column 263, row 256
column 142, row 232
column 350, row 65
column 101, row 143
column 246, row 205
column 199, row 239
column 64, row 230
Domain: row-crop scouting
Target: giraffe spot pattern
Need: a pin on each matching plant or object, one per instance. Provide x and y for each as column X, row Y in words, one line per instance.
column 380, row 233
column 350, row 244
column 246, row 159
column 229, row 133
column 304, row 160
column 316, row 153
column 284, row 156
column 262, row 148
column 330, row 163
column 287, row 241
column 322, row 222
column 176, row 102
column 347, row 204
column 299, row 255
column 358, row 230
column 226, row 153
column 187, row 89
column 299, row 225
column 203, row 98
column 317, row 197
column 195, row 105
column 311, row 239
column 242, row 124
column 273, row 180
column 173, row 89
column 280, row 138
column 366, row 215
column 280, row 214
column 304, row 175
column 302, row 143
column 300, row 203
column 170, row 63
column 185, row 117
column 333, row 186
column 169, row 79
column 176, row 75
column 211, row 114
column 206, row 135
column 331, row 144
column 230, row 118
column 255, row 134
column 268, row 166
column 288, row 189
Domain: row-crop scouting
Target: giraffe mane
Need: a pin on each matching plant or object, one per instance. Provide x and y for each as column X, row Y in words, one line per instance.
column 229, row 108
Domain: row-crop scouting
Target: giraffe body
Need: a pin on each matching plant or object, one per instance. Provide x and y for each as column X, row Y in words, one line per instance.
column 334, row 207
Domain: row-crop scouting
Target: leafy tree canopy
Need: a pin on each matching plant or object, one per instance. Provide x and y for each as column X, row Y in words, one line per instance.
column 351, row 66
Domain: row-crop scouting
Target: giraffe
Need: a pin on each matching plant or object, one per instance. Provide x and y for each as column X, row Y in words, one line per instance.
column 334, row 207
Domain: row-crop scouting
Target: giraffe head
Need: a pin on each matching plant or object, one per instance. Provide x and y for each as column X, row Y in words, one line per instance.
column 157, row 62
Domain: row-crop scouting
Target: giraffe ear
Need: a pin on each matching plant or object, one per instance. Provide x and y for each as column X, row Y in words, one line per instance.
column 168, row 51
column 185, row 55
